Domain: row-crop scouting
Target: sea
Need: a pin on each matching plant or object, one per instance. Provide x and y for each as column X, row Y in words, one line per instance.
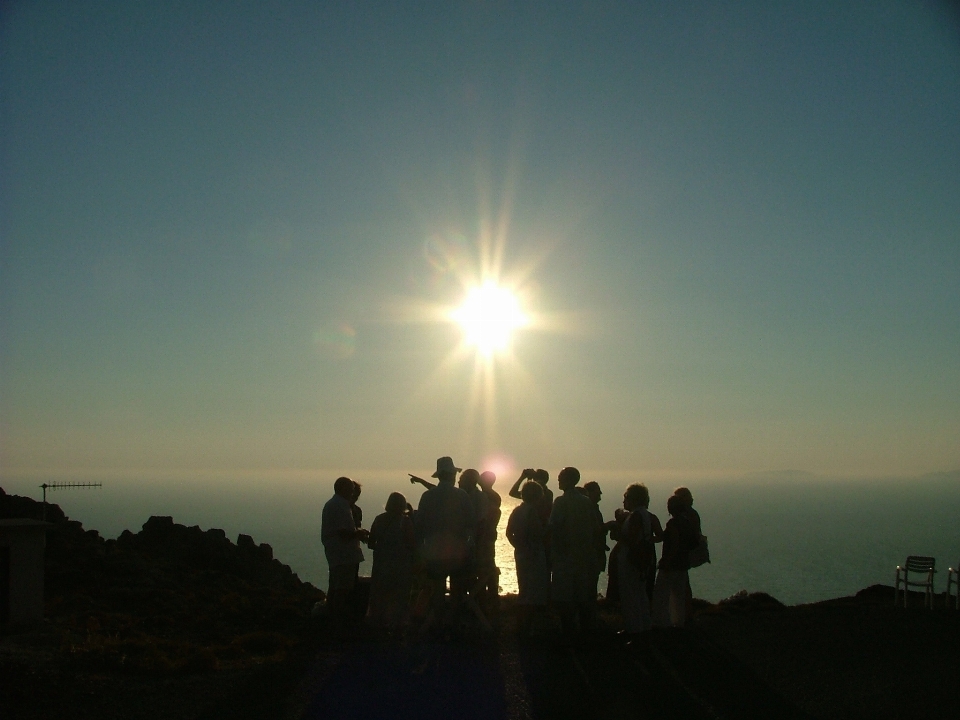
column 798, row 537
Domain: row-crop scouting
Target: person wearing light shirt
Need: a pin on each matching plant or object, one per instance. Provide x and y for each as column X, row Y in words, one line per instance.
column 341, row 545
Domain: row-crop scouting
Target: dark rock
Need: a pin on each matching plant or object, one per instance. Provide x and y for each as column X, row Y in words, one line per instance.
column 160, row 525
column 168, row 585
column 750, row 601
column 876, row 593
column 17, row 506
column 266, row 551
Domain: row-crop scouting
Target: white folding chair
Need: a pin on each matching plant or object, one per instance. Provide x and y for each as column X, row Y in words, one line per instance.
column 919, row 565
column 953, row 576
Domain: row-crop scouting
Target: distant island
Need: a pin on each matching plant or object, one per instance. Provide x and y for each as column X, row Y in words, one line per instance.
column 176, row 621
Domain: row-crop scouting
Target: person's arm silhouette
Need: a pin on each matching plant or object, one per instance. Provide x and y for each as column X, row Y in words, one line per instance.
column 527, row 474
column 414, row 480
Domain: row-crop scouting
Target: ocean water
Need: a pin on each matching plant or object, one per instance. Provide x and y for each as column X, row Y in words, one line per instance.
column 796, row 537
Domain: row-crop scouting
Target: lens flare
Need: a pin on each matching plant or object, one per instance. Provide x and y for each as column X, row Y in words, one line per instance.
column 337, row 342
column 488, row 316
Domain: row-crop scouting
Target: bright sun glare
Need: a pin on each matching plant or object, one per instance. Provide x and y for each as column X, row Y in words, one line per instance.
column 488, row 317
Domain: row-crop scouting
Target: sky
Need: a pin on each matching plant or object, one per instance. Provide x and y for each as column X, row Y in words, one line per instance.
column 231, row 235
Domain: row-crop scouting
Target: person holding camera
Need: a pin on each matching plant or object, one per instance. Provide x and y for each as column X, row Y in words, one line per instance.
column 526, row 533
column 541, row 476
column 544, row 505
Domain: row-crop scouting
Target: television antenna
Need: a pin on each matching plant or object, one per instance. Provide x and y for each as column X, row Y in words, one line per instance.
column 63, row 486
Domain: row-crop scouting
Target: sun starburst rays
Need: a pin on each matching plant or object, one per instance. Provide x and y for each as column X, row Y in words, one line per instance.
column 489, row 316
column 497, row 296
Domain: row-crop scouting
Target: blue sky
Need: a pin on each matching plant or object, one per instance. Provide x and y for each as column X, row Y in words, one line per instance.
column 743, row 221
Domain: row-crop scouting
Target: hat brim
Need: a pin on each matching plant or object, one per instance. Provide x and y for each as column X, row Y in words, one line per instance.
column 453, row 469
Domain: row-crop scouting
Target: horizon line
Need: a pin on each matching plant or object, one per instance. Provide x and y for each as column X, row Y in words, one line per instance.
column 307, row 474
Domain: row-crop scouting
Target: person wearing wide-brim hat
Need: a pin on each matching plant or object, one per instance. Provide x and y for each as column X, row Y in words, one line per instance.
column 445, row 523
column 446, row 468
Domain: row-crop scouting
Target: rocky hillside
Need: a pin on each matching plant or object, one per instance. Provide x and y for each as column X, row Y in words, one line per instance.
column 168, row 598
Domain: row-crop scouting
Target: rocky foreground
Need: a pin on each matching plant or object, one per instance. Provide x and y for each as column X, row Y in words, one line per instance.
column 179, row 622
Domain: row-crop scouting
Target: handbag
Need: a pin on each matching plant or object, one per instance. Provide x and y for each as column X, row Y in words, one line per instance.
column 700, row 555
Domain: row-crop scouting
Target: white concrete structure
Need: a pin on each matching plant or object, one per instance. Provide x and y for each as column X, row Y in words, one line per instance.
column 22, row 544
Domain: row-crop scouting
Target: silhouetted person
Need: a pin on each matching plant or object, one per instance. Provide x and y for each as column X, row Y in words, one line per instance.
column 613, row 570
column 616, row 533
column 469, row 482
column 357, row 511
column 444, row 525
column 354, row 508
column 393, row 541
column 574, row 529
column 488, row 574
column 657, row 531
column 544, row 505
column 693, row 517
column 636, row 560
column 592, row 491
column 341, row 545
column 541, row 476
column 526, row 532
column 670, row 592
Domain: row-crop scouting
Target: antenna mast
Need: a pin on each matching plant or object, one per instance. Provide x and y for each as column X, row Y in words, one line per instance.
column 61, row 486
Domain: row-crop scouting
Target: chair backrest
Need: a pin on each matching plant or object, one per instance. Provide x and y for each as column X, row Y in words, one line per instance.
column 919, row 563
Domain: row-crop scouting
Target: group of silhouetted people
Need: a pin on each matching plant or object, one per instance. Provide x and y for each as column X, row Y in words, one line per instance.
column 653, row 593
column 560, row 550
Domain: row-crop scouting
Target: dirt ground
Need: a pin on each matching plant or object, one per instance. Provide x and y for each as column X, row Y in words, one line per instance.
column 847, row 658
column 854, row 657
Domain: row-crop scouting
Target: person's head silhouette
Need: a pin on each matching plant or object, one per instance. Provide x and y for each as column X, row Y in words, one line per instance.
column 446, row 470
column 568, row 478
column 469, row 479
column 532, row 492
column 676, row 506
column 636, row 496
column 487, row 479
column 396, row 504
column 685, row 496
column 593, row 491
column 344, row 487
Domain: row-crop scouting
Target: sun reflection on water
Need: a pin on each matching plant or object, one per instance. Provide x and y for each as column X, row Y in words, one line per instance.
column 508, row 570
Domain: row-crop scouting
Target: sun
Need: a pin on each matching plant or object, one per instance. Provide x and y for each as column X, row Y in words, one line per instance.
column 489, row 316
